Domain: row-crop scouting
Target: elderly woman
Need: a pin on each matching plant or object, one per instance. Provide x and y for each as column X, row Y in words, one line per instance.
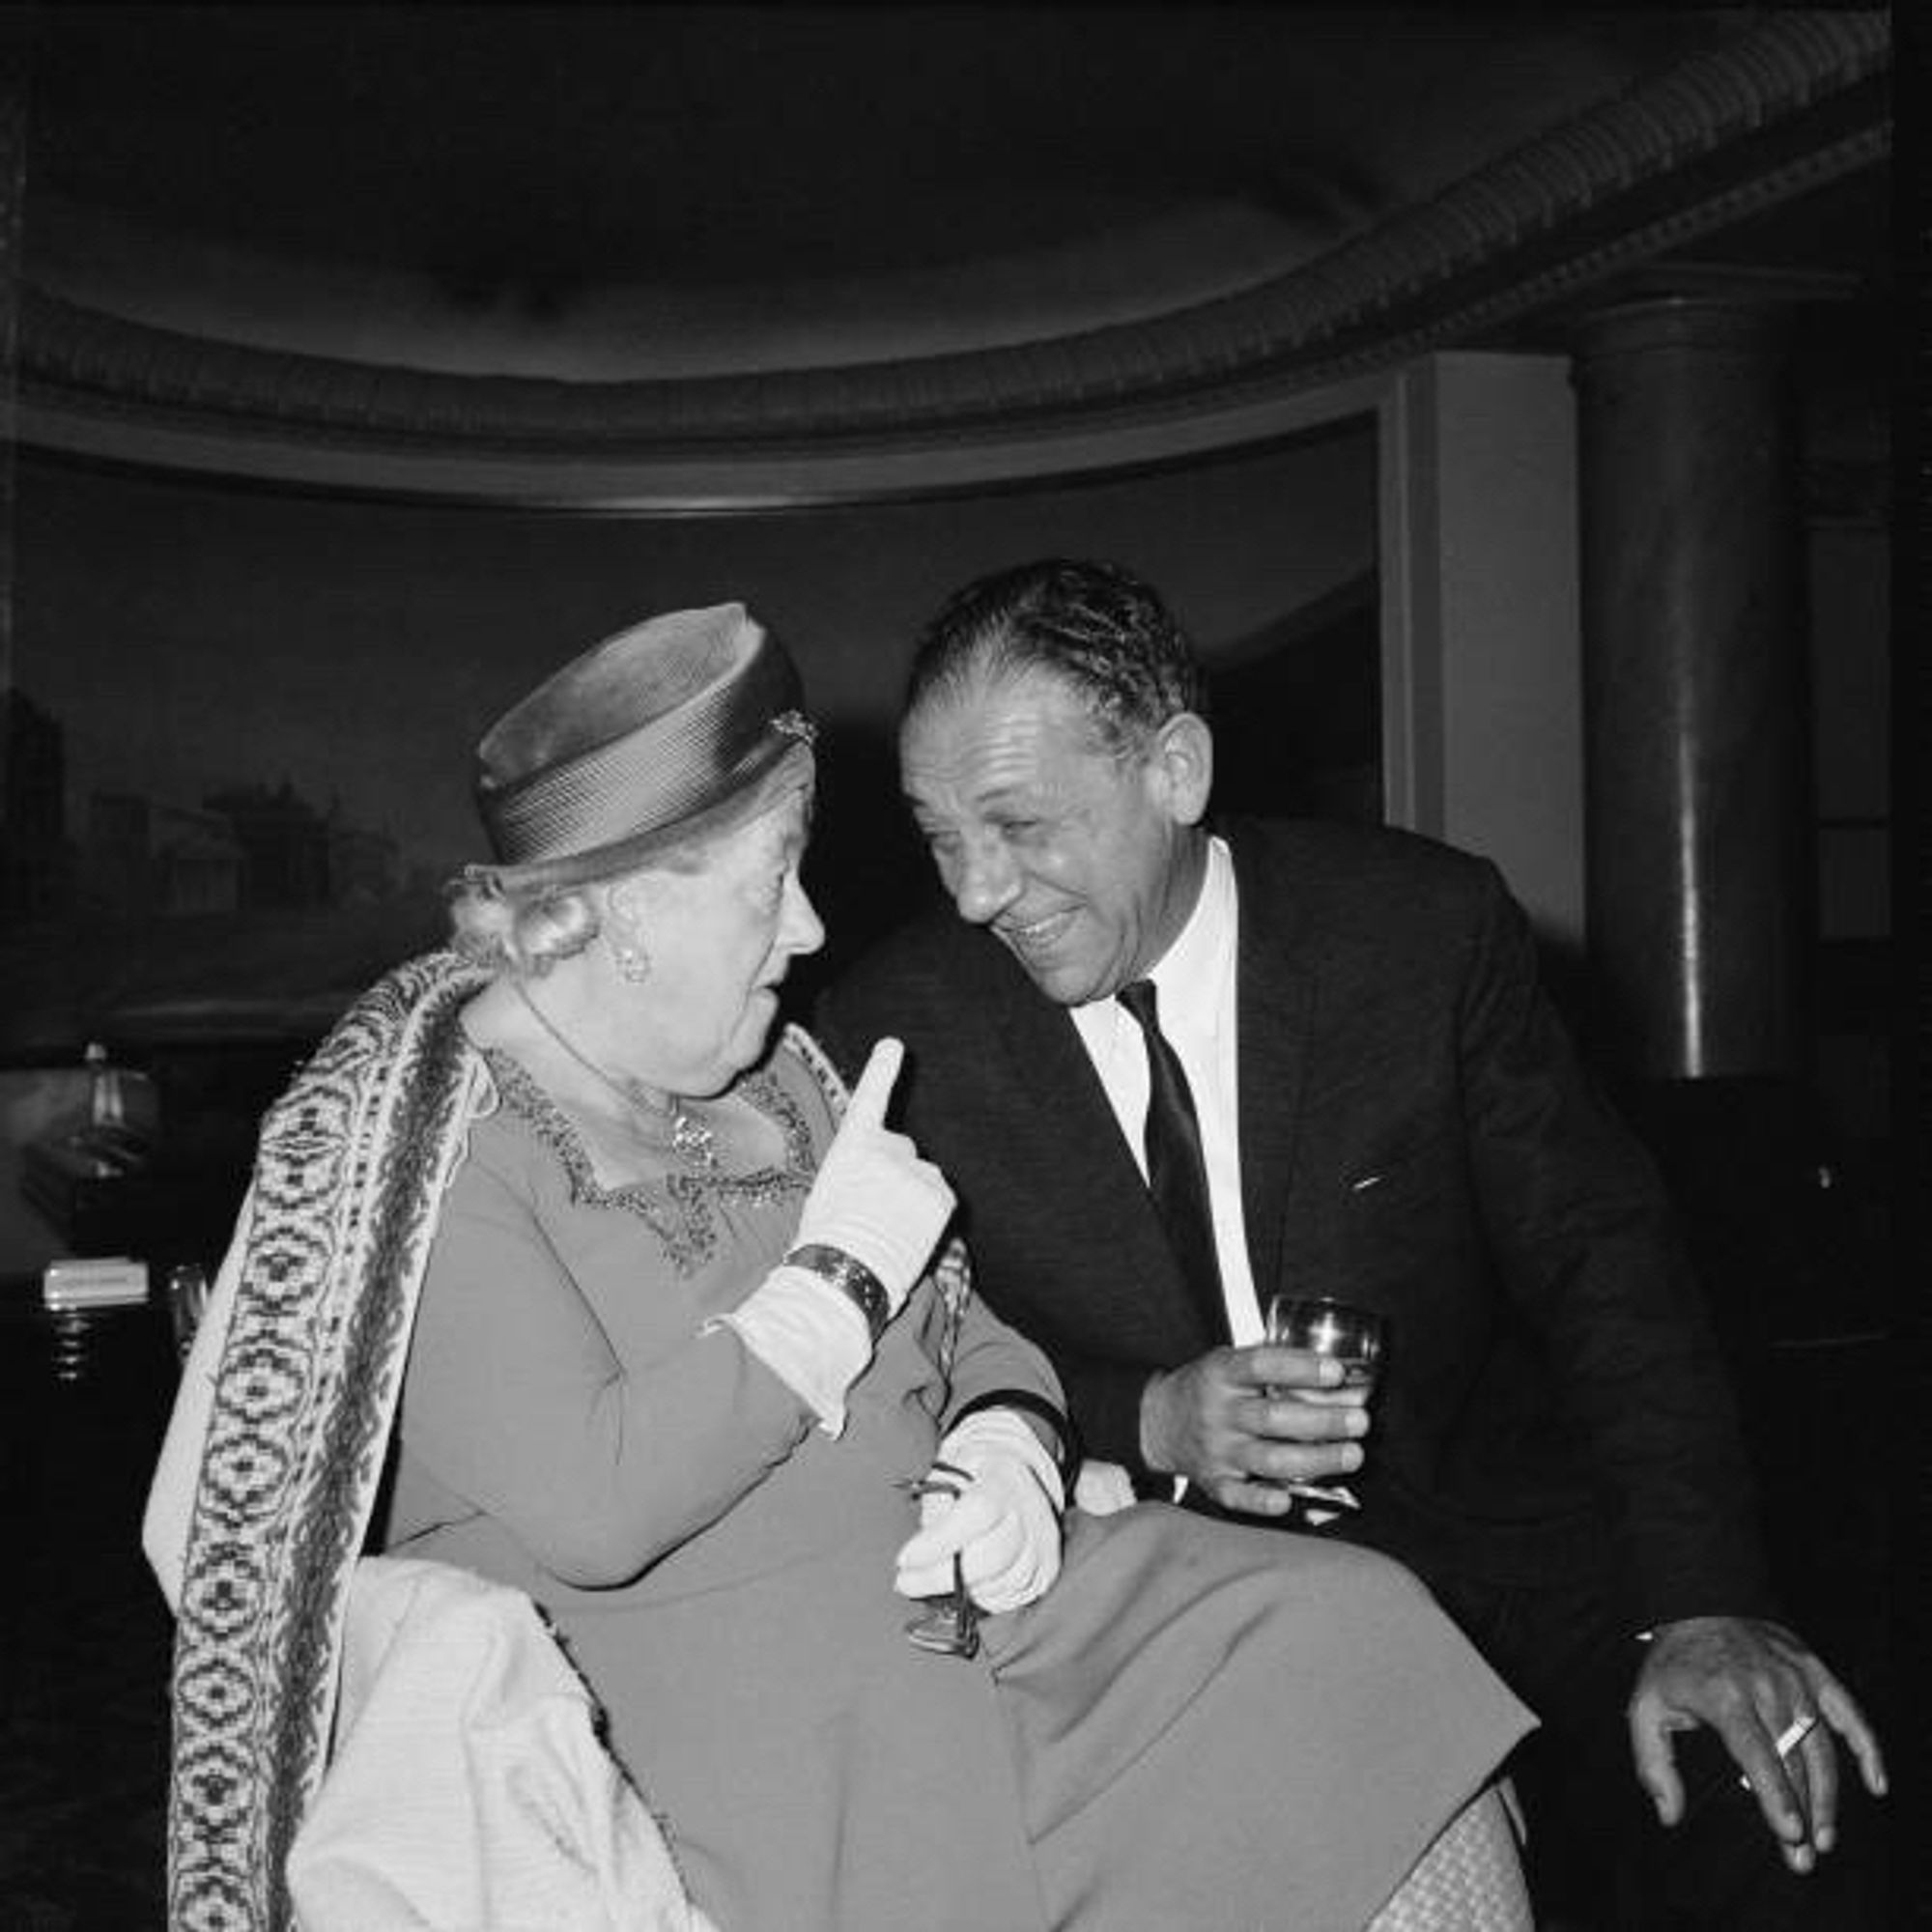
column 561, row 1268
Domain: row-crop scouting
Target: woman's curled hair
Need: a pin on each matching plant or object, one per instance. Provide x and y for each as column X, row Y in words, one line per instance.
column 524, row 928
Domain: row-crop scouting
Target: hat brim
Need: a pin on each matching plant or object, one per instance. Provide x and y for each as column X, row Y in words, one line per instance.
column 785, row 764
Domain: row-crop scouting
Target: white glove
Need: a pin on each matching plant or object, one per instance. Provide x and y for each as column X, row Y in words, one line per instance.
column 879, row 1202
column 810, row 1334
column 1005, row 1521
column 1101, row 1489
column 874, row 1197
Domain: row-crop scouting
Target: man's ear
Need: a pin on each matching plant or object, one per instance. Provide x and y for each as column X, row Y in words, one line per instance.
column 1182, row 760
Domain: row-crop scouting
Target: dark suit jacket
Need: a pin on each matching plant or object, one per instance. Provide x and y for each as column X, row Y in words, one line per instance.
column 1416, row 1134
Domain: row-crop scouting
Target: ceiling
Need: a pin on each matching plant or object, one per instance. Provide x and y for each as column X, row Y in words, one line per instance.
column 447, row 241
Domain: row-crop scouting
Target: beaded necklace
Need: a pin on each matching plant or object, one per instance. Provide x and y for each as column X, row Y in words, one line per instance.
column 690, row 1139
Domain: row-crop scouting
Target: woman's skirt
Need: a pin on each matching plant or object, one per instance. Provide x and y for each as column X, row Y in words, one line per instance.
column 1200, row 1728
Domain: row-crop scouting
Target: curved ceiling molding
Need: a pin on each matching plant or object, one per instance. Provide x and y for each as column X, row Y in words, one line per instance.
column 1798, row 102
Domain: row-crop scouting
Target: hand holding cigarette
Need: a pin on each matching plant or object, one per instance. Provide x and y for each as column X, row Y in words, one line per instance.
column 1778, row 1711
column 1790, row 1738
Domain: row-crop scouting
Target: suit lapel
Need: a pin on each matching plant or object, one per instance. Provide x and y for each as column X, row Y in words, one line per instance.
column 1079, row 1136
column 1274, row 1005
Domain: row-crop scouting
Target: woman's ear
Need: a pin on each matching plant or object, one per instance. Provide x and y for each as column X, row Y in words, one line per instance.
column 621, row 924
column 1184, row 764
column 625, row 910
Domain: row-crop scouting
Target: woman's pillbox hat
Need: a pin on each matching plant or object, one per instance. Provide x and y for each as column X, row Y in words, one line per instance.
column 677, row 728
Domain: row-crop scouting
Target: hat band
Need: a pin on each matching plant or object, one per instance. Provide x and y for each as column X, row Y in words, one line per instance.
column 652, row 778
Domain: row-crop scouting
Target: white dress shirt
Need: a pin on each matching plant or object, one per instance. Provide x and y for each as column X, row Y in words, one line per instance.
column 1194, row 981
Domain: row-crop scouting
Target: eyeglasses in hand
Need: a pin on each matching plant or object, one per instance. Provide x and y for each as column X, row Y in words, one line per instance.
column 949, row 1626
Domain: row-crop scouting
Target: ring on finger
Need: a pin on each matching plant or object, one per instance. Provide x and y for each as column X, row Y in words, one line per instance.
column 1802, row 1723
column 1793, row 1734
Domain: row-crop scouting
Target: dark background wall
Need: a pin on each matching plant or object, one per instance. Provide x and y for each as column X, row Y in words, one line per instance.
column 339, row 659
column 187, row 634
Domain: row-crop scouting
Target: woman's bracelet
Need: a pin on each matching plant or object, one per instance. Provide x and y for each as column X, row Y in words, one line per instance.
column 852, row 1277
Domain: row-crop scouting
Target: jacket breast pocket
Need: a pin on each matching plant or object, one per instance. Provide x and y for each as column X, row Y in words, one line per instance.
column 1405, row 1214
column 1411, row 1169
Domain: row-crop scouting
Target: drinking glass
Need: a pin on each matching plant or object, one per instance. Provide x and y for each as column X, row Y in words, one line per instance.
column 1353, row 1336
column 1356, row 1337
column 187, row 1291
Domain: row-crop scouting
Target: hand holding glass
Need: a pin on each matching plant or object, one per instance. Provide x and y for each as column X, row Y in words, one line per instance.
column 1354, row 1337
column 1349, row 1335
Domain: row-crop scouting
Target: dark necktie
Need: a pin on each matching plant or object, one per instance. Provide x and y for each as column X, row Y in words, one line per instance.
column 1176, row 1173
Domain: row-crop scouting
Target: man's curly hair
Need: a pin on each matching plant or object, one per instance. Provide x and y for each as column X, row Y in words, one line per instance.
column 1095, row 626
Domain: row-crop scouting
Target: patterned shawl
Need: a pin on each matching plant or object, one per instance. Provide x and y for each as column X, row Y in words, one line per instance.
column 349, row 1181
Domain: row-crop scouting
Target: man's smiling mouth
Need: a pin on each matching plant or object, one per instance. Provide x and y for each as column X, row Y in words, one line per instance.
column 1039, row 933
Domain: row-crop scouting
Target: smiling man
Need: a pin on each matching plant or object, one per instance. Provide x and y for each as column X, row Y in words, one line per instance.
column 1174, row 1069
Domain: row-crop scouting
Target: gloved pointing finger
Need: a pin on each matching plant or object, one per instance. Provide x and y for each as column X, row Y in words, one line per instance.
column 866, row 1107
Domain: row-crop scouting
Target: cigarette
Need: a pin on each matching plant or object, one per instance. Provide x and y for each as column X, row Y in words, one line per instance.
column 1790, row 1738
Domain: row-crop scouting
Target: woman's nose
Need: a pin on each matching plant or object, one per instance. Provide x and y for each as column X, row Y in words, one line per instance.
column 802, row 931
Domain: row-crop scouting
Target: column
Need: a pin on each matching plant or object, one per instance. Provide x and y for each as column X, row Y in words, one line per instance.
column 1693, row 650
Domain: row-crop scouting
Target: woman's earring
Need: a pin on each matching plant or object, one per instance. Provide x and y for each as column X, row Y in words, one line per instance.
column 634, row 963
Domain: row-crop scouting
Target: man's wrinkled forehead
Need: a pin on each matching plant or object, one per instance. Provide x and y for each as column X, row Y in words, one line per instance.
column 1026, row 701
column 991, row 737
